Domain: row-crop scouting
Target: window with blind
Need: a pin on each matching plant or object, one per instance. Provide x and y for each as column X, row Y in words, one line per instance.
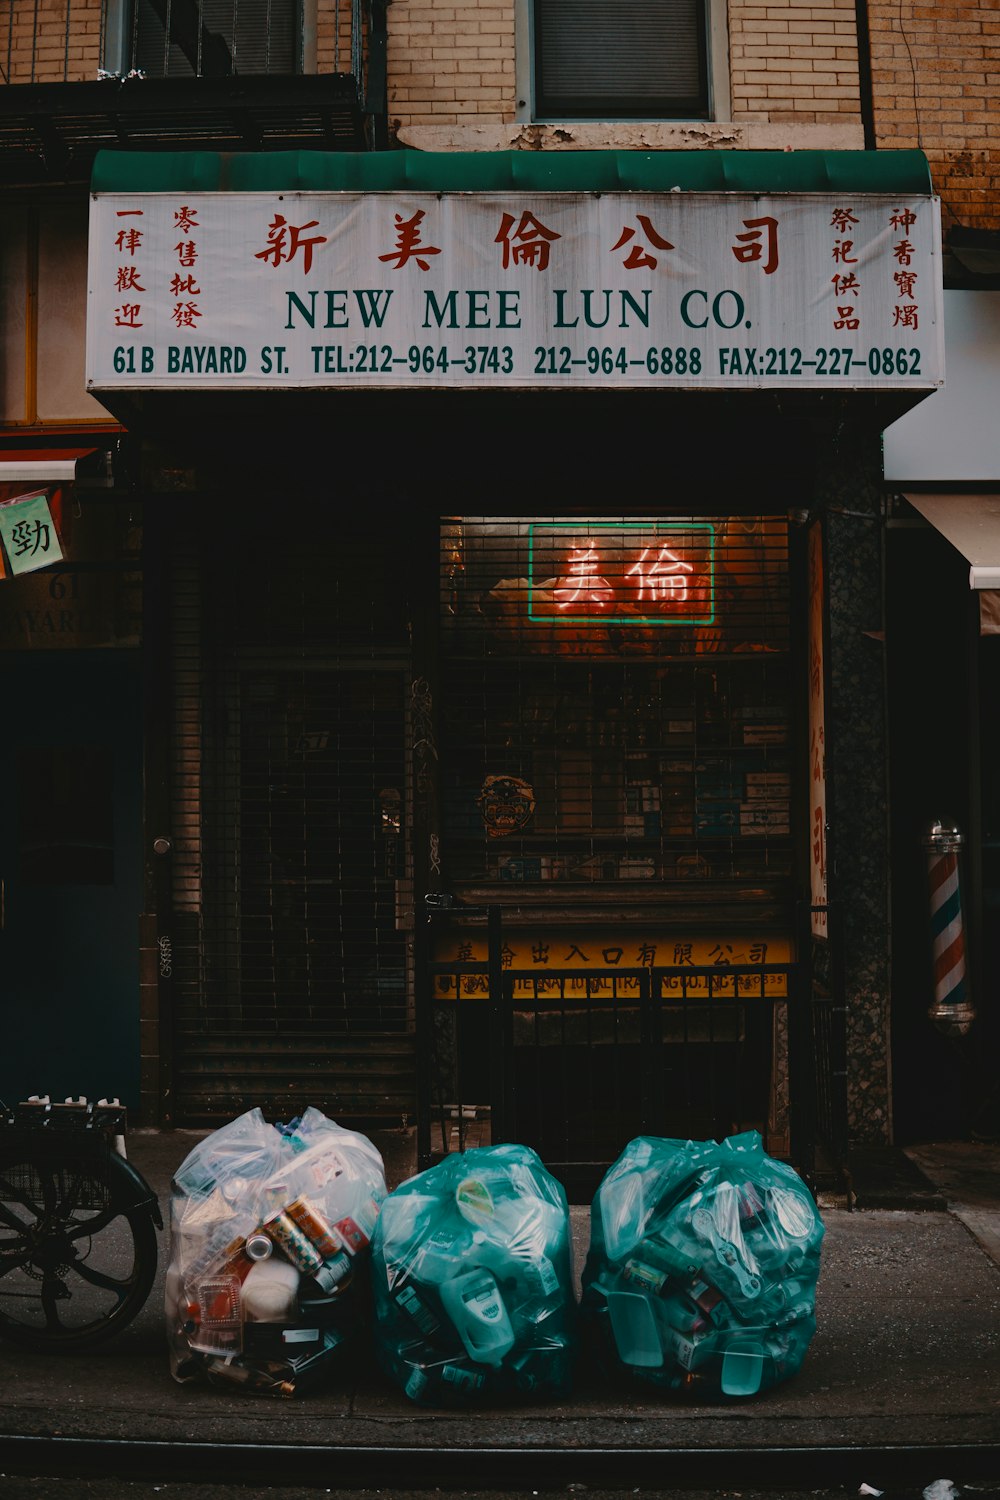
column 627, row 59
column 617, row 703
column 215, row 38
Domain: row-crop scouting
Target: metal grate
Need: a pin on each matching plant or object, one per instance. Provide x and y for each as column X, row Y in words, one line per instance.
column 290, row 962
column 604, row 722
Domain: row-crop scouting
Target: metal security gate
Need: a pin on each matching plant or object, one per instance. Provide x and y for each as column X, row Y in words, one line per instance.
column 289, row 794
column 575, row 1063
column 622, row 747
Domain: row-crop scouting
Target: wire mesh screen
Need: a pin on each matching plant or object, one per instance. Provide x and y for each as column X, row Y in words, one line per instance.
column 616, row 760
column 616, row 700
column 289, row 809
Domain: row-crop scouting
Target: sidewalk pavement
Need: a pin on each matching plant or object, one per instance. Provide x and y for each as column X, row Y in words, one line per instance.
column 900, row 1385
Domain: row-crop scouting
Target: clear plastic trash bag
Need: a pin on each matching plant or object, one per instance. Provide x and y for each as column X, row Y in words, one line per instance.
column 472, row 1281
column 702, row 1268
column 268, row 1280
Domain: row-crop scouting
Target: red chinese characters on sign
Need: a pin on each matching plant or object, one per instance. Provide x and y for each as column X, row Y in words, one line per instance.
column 285, row 241
column 408, row 243
column 528, row 244
column 639, row 255
column 128, row 241
column 185, row 311
column 759, row 243
column 846, row 283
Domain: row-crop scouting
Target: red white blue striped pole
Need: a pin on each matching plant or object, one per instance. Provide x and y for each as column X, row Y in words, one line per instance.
column 952, row 1010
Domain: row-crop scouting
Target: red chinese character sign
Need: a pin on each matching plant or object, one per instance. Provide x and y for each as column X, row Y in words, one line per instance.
column 635, row 573
column 516, row 289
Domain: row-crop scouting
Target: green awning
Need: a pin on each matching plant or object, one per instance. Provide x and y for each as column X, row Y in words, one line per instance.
column 903, row 173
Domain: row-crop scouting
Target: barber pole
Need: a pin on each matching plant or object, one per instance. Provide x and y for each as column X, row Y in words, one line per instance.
column 951, row 1011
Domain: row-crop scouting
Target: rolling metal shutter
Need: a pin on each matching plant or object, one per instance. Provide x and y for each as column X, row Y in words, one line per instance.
column 289, row 807
column 627, row 57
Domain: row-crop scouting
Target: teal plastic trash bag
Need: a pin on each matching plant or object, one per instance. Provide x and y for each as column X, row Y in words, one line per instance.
column 267, row 1288
column 472, row 1281
column 702, row 1268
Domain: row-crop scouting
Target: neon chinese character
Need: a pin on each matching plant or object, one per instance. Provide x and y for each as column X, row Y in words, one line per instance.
column 127, row 279
column 286, row 240
column 184, row 314
column 638, row 255
column 844, row 284
column 589, row 585
column 184, row 219
column 664, row 577
column 128, row 240
column 184, row 286
column 30, row 536
column 903, row 218
column 408, row 246
column 906, row 281
column 842, row 218
column 903, row 252
column 127, row 316
column 534, row 241
column 846, row 319
column 760, row 232
column 905, row 317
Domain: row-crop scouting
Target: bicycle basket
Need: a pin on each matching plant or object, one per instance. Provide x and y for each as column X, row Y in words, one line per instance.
column 63, row 1149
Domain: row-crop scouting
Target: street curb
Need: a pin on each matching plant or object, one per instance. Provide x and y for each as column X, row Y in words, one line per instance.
column 543, row 1467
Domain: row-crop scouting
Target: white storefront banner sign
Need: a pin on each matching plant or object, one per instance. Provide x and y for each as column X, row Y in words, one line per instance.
column 291, row 290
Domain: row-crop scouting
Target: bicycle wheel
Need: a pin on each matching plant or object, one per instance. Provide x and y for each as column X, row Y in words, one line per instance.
column 77, row 1256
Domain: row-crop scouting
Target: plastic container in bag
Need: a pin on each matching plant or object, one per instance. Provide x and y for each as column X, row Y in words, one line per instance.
column 702, row 1268
column 473, row 1282
column 268, row 1280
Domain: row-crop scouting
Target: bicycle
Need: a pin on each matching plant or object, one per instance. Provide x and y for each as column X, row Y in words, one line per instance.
column 78, row 1222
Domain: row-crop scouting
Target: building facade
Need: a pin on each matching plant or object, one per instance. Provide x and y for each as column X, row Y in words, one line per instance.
column 474, row 703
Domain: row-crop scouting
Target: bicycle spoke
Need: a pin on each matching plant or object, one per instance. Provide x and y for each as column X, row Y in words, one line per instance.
column 13, row 1262
column 50, row 1301
column 77, row 1253
column 78, row 1228
column 11, row 1220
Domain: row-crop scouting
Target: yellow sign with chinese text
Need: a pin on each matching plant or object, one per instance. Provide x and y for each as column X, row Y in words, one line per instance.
column 702, row 967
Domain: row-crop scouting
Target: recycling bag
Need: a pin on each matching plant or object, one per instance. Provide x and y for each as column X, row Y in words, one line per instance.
column 472, row 1280
column 702, row 1267
column 268, row 1281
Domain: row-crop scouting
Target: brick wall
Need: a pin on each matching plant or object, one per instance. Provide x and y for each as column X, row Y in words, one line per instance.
column 791, row 63
column 451, row 62
column 794, row 63
column 61, row 44
column 935, row 82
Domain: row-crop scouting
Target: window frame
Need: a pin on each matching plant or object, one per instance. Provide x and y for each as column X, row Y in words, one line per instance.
column 714, row 48
column 116, row 52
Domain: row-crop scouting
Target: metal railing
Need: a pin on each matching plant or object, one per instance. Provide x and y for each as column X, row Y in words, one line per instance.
column 44, row 43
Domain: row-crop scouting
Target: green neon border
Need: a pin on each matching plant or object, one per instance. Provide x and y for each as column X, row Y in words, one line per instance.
column 658, row 528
